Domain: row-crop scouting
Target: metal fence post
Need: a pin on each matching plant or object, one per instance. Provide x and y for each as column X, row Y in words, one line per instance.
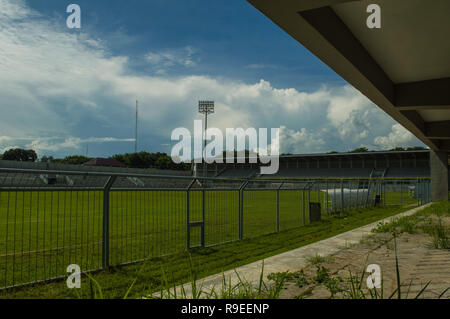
column 188, row 217
column 369, row 183
column 350, row 206
column 429, row 191
column 418, row 192
column 241, row 209
column 401, row 193
column 335, row 198
column 278, row 207
column 278, row 210
column 357, row 194
column 202, row 229
column 303, row 206
column 105, row 239
column 309, row 200
column 326, row 198
column 423, row 193
column 426, row 192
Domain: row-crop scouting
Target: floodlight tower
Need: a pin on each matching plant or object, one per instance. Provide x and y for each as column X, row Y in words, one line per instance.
column 205, row 107
column 136, row 139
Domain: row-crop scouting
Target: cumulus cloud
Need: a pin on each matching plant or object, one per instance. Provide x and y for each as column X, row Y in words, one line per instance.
column 44, row 145
column 41, row 145
column 398, row 137
column 56, row 83
column 300, row 142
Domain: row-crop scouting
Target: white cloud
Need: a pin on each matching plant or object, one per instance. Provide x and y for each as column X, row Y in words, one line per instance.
column 398, row 137
column 59, row 84
column 184, row 57
column 300, row 142
column 43, row 145
column 256, row 66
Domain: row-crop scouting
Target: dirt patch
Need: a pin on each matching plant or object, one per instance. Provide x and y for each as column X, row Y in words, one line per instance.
column 419, row 264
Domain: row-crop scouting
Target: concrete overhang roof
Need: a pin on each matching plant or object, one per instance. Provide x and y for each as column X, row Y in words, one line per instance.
column 403, row 67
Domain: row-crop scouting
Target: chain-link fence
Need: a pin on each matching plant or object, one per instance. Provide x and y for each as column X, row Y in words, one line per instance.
column 52, row 219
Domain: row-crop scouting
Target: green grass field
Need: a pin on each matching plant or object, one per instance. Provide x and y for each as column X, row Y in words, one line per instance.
column 41, row 233
column 205, row 261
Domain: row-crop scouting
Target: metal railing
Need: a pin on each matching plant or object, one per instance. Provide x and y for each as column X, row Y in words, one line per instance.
column 51, row 219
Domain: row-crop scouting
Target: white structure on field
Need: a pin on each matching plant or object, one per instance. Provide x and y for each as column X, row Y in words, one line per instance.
column 338, row 198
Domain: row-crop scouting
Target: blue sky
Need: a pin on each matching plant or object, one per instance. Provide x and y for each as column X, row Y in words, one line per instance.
column 65, row 89
column 229, row 38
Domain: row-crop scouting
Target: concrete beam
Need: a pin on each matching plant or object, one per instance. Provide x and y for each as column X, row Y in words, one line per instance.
column 438, row 130
column 443, row 145
column 268, row 7
column 334, row 30
column 426, row 95
column 319, row 29
column 439, row 175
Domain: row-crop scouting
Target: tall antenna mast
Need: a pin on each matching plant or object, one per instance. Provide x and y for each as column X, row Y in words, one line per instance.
column 136, row 140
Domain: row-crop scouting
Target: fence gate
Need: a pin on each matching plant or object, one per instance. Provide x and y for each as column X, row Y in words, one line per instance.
column 195, row 216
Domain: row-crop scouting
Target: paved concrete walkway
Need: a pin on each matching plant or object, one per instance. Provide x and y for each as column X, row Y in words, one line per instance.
column 293, row 260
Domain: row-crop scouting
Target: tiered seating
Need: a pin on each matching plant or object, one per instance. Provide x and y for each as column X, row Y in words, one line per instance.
column 239, row 172
column 323, row 173
column 408, row 172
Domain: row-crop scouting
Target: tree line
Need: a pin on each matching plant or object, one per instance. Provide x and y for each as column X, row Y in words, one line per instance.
column 396, row 149
column 132, row 160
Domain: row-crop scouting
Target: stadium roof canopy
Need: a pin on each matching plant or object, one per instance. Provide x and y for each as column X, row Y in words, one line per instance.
column 403, row 67
column 418, row 153
column 382, row 154
column 107, row 162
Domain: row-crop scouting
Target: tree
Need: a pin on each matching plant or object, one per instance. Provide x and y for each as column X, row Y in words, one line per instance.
column 20, row 155
column 360, row 150
column 47, row 159
column 75, row 160
column 165, row 162
column 149, row 160
column 396, row 149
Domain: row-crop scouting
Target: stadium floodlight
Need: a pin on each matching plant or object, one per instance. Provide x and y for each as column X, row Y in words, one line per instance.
column 205, row 107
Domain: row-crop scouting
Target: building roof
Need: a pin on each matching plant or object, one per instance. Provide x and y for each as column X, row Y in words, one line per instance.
column 410, row 154
column 422, row 154
column 108, row 162
column 403, row 67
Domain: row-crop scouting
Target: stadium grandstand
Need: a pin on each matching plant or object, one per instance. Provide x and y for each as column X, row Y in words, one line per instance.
column 393, row 164
column 77, row 180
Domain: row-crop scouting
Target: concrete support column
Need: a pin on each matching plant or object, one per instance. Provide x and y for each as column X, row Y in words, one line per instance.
column 439, row 175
